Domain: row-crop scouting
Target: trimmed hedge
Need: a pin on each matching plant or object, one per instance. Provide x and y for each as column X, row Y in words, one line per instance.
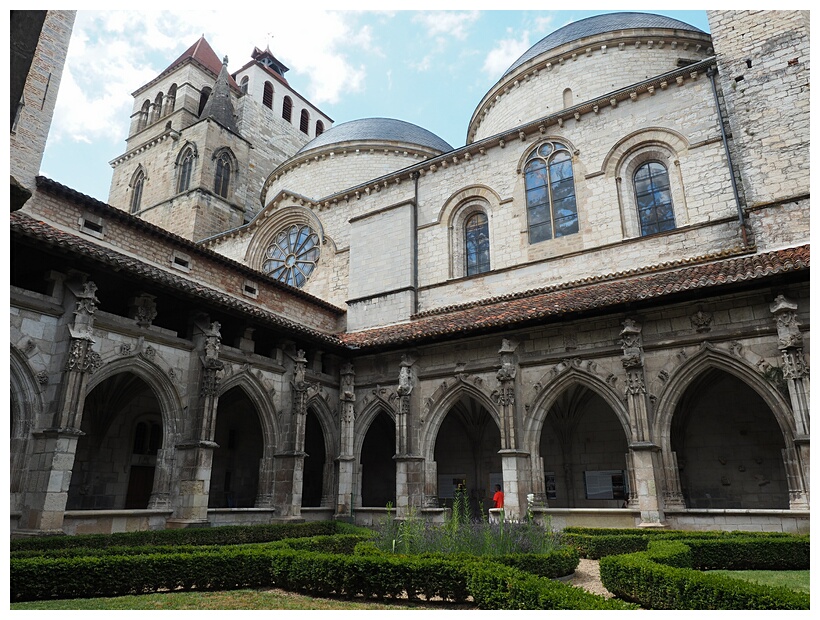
column 223, row 535
column 292, row 565
column 637, row 577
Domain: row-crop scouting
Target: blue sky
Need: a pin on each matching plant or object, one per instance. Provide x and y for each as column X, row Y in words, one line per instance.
column 428, row 67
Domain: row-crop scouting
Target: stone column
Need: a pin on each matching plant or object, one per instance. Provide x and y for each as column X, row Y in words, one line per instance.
column 54, row 448
column 290, row 465
column 409, row 464
column 196, row 452
column 515, row 462
column 796, row 377
column 345, row 463
column 645, row 455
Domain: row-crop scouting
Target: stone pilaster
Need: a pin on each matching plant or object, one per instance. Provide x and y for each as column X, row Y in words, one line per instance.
column 290, row 464
column 346, row 461
column 409, row 465
column 646, row 469
column 796, row 377
column 196, row 452
column 54, row 449
column 515, row 463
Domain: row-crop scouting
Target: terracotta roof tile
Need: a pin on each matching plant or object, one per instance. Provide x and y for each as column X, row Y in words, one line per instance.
column 542, row 305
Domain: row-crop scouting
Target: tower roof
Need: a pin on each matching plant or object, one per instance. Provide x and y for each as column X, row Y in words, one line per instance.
column 203, row 53
column 219, row 106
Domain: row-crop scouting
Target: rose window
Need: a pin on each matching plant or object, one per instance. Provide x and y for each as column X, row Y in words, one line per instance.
column 293, row 255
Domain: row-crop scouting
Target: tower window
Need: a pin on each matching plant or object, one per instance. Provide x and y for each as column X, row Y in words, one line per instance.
column 287, row 106
column 320, row 128
column 186, row 165
column 203, row 99
column 654, row 198
column 244, row 85
column 551, row 208
column 136, row 191
column 304, row 121
column 223, row 175
column 267, row 96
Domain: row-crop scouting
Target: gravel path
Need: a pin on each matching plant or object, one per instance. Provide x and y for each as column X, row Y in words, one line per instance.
column 588, row 577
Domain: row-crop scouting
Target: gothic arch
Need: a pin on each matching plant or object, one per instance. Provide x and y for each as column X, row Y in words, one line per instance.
column 440, row 404
column 325, row 417
column 366, row 417
column 710, row 357
column 553, row 383
column 258, row 396
column 26, row 407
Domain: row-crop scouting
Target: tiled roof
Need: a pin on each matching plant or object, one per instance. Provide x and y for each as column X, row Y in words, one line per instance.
column 547, row 304
column 599, row 24
column 203, row 53
column 24, row 225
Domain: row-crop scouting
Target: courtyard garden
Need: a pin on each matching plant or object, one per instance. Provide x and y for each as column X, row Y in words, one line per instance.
column 408, row 563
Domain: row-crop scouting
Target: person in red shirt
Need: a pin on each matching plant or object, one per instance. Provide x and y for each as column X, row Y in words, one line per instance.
column 498, row 497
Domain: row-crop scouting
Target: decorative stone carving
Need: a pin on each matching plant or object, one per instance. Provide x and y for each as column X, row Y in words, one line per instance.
column 143, row 309
column 701, row 321
column 125, row 349
column 788, row 327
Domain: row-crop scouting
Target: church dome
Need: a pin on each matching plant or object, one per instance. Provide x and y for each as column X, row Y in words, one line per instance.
column 585, row 60
column 378, row 129
column 598, row 24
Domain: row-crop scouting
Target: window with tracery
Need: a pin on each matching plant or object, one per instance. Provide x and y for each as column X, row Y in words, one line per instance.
column 550, row 185
column 222, row 177
column 293, row 255
column 186, row 164
column 477, row 244
column 136, row 191
column 654, row 198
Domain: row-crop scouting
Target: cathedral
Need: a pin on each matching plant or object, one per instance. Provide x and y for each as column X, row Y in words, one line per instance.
column 600, row 302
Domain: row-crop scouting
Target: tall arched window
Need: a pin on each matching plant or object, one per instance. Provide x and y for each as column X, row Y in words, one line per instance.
column 136, row 191
column 267, row 95
column 477, row 244
column 304, row 121
column 320, row 128
column 654, row 199
column 244, row 85
column 171, row 99
column 223, row 175
column 157, row 108
column 186, row 165
column 287, row 106
column 551, row 207
column 567, row 97
column 145, row 112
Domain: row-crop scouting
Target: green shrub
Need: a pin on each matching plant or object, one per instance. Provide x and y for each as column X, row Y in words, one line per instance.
column 670, row 553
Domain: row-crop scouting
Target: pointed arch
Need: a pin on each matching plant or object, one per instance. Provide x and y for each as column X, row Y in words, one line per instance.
column 365, row 418
column 26, row 407
column 443, row 402
column 265, row 410
column 707, row 358
column 185, row 162
column 554, row 383
column 137, row 185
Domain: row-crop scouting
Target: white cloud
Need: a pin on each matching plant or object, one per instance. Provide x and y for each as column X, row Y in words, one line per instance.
column 504, row 53
column 449, row 24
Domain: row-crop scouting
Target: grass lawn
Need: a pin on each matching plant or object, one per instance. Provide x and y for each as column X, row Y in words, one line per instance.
column 228, row 599
column 793, row 579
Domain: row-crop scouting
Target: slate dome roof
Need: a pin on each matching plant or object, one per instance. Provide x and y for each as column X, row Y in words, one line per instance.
column 378, row 129
column 598, row 24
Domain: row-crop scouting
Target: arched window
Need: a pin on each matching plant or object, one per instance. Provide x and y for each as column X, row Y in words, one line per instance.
column 477, row 244
column 267, row 95
column 567, row 97
column 287, row 106
column 293, row 255
column 136, row 191
column 244, row 85
column 171, row 99
column 223, row 175
column 551, row 207
column 304, row 121
column 157, row 108
column 654, row 198
column 145, row 112
column 204, row 94
column 186, row 165
column 320, row 128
